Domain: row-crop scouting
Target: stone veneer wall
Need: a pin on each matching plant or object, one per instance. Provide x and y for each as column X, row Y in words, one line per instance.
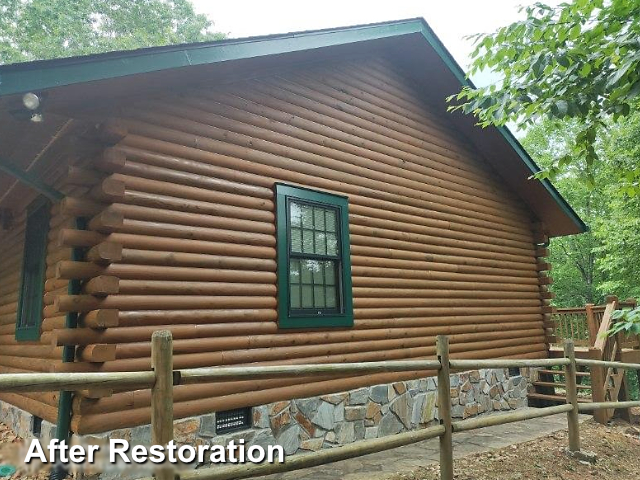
column 310, row 424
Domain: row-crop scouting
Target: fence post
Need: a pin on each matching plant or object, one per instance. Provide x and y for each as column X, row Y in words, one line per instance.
column 571, row 385
column 162, row 396
column 444, row 408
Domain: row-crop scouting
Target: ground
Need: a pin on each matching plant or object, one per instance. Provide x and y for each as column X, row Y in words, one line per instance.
column 617, row 448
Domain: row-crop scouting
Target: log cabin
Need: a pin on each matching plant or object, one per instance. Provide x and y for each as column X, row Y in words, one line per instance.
column 287, row 199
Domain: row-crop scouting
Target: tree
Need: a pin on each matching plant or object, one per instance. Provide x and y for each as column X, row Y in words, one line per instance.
column 43, row 29
column 606, row 259
column 577, row 278
column 579, row 60
column 619, row 230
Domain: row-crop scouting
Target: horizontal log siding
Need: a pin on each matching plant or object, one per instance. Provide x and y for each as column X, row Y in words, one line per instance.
column 439, row 245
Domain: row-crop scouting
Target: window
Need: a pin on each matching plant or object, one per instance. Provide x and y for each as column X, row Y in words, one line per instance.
column 33, row 271
column 314, row 265
column 233, row 420
column 514, row 371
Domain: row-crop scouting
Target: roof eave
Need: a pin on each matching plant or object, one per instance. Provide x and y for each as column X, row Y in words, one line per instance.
column 16, row 79
column 65, row 72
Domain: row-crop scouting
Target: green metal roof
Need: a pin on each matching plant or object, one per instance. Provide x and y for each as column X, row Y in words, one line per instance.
column 48, row 74
column 45, row 74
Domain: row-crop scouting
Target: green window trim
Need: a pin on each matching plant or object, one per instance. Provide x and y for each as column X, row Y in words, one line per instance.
column 323, row 256
column 30, row 301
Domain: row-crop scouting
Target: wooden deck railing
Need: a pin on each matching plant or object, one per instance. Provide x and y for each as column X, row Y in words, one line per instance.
column 588, row 326
column 585, row 324
column 579, row 323
column 163, row 378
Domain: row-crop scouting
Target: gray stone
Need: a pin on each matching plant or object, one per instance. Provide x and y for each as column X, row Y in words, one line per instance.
column 290, row 439
column 355, row 413
column 391, row 392
column 338, row 413
column 429, row 408
column 335, row 398
column 359, row 397
column 47, row 432
column 457, row 411
column 141, row 435
column 345, row 433
column 389, row 425
column 208, row 424
column 484, row 387
column 323, row 416
column 467, row 397
column 401, row 406
column 413, row 384
column 359, row 429
column 246, row 435
column 308, row 406
column 583, row 456
column 312, row 444
column 379, row 394
column 418, row 405
column 371, row 432
column 262, row 438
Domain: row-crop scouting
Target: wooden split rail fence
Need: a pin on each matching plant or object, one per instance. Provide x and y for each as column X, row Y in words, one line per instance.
column 162, row 379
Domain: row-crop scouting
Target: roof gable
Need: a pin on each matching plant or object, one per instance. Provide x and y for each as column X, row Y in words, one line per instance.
column 70, row 80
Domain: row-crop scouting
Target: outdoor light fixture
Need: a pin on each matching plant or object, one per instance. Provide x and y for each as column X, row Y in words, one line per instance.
column 31, row 101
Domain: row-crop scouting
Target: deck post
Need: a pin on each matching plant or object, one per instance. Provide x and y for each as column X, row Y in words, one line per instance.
column 592, row 325
column 571, row 386
column 162, row 396
column 444, row 408
column 598, row 391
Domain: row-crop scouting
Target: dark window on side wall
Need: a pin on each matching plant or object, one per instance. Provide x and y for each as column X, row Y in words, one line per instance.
column 33, row 271
column 314, row 265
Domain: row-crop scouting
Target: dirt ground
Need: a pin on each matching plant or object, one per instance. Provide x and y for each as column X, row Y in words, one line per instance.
column 617, row 448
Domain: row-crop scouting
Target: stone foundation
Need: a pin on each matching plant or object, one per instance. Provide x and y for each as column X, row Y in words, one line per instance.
column 310, row 424
column 21, row 423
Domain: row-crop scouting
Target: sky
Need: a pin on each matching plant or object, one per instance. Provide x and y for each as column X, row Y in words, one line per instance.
column 452, row 20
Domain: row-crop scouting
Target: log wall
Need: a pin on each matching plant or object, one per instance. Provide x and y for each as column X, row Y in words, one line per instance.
column 182, row 237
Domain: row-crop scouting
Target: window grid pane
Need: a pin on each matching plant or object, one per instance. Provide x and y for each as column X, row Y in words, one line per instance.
column 313, row 233
column 312, row 230
column 312, row 284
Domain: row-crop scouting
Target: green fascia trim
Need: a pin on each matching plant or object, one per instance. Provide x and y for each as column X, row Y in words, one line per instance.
column 56, row 73
column 285, row 320
column 28, row 179
column 461, row 76
column 32, row 332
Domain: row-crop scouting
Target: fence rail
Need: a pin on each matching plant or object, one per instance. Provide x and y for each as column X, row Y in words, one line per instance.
column 163, row 378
